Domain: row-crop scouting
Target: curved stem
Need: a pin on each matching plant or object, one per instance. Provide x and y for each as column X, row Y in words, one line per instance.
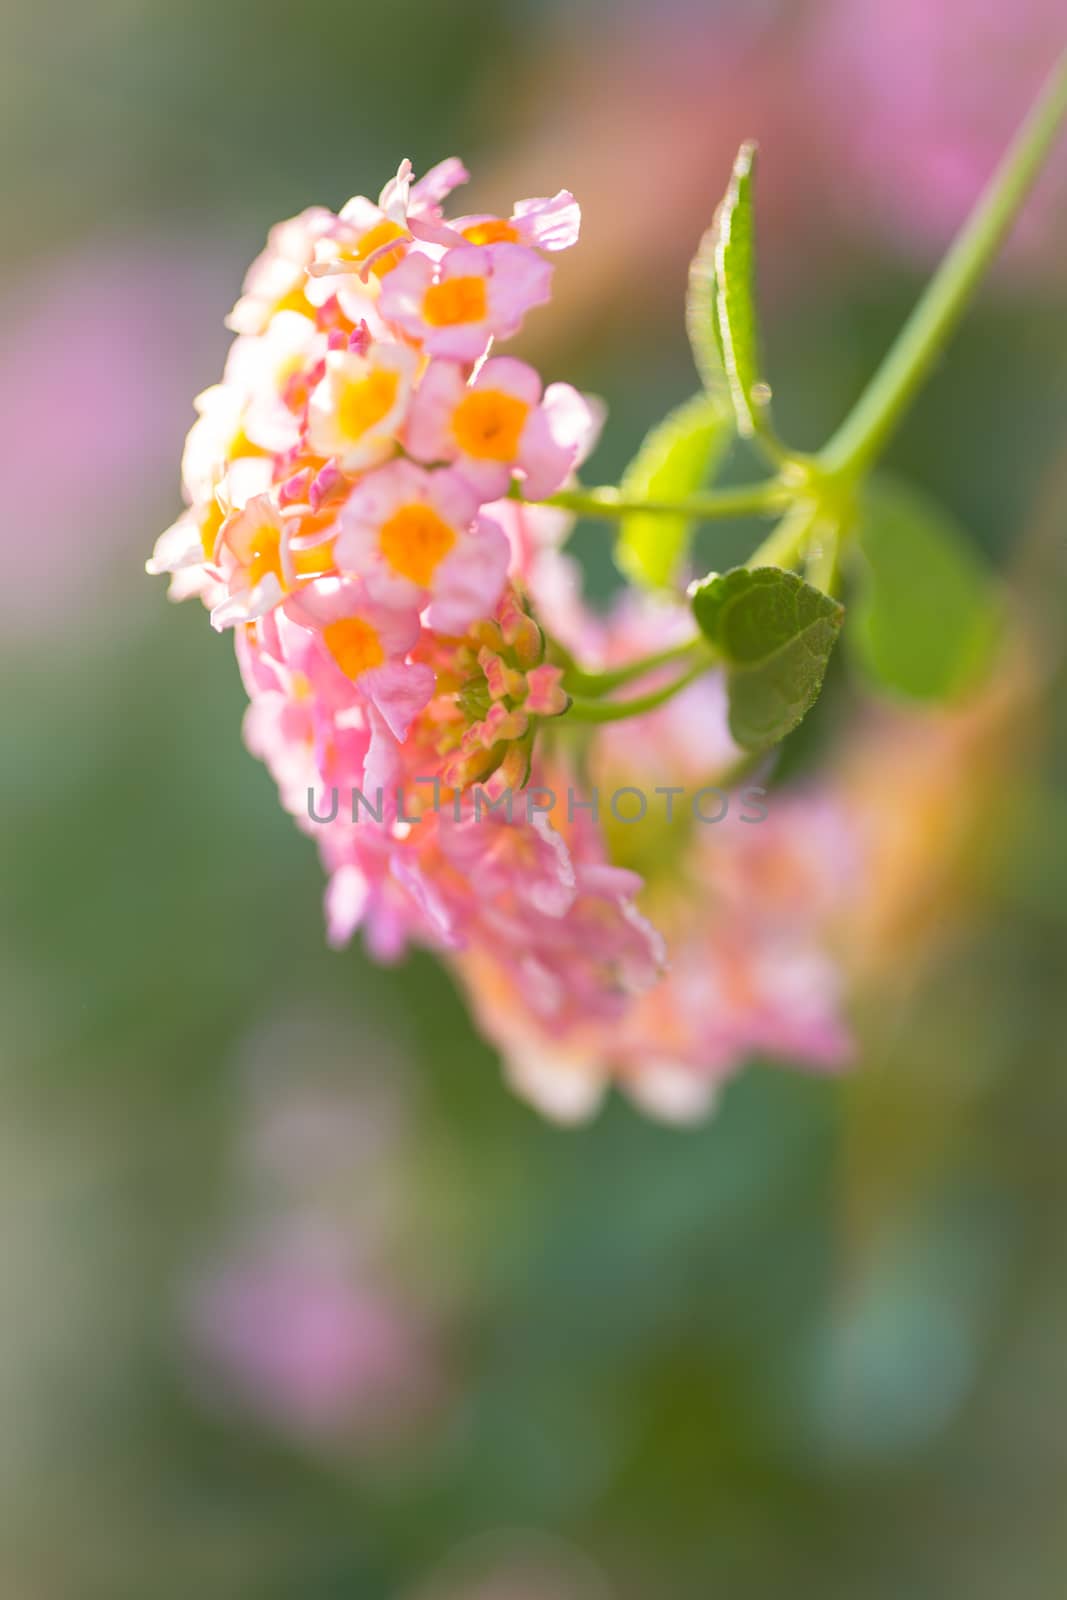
column 805, row 488
column 619, row 710
column 598, row 683
column 864, row 433
column 747, row 499
column 822, row 569
column 785, row 544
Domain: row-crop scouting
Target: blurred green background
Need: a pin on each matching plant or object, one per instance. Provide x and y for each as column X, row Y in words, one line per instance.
column 296, row 1300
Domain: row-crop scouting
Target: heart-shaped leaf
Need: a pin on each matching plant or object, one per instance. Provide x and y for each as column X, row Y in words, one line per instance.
column 774, row 633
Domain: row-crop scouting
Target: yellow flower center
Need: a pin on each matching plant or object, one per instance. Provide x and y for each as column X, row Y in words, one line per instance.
column 455, row 300
column 288, row 368
column 363, row 402
column 494, row 230
column 354, row 645
column 241, row 445
column 209, row 529
column 266, row 556
column 373, row 240
column 414, row 540
column 294, row 300
column 317, row 559
column 487, row 424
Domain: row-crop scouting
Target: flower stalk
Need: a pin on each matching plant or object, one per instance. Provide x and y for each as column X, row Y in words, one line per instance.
column 619, row 710
column 805, row 485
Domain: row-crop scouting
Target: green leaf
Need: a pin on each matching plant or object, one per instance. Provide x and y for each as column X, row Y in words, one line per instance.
column 676, row 459
column 735, row 303
column 721, row 303
column 927, row 618
column 701, row 317
column 774, row 633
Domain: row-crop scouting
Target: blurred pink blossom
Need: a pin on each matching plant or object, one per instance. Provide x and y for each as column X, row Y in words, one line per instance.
column 309, row 1346
column 306, row 1319
column 100, row 351
column 917, row 102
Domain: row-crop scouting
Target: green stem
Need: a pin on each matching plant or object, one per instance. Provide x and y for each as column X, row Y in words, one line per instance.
column 784, row 544
column 810, row 490
column 863, row 435
column 822, row 570
column 619, row 710
column 598, row 683
column 747, row 499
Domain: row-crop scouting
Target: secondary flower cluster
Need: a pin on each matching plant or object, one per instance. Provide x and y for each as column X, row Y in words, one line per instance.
column 352, row 518
column 750, row 906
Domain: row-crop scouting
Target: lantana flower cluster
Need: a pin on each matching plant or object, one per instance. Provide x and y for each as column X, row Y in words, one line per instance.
column 358, row 516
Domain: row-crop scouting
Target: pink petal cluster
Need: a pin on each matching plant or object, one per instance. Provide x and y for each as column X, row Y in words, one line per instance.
column 338, row 477
column 350, row 519
column 750, row 913
column 346, row 484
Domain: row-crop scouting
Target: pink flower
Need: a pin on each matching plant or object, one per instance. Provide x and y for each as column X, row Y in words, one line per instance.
column 367, row 644
column 310, row 725
column 426, row 193
column 526, row 859
column 739, row 981
column 214, row 441
column 454, row 307
column 259, row 558
column 367, row 238
column 253, row 563
column 416, row 537
column 357, row 409
column 275, row 280
column 271, row 371
column 498, row 423
column 392, row 904
column 543, row 224
column 179, row 546
column 188, row 548
column 552, row 989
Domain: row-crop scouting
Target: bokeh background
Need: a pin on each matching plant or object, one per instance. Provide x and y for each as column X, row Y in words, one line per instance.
column 296, row 1300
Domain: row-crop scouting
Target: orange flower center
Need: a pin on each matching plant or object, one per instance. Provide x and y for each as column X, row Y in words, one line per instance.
column 414, row 540
column 266, row 556
column 354, row 645
column 309, row 563
column 294, row 300
column 209, row 529
column 455, row 300
column 488, row 423
column 365, row 401
column 494, row 230
column 373, row 240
